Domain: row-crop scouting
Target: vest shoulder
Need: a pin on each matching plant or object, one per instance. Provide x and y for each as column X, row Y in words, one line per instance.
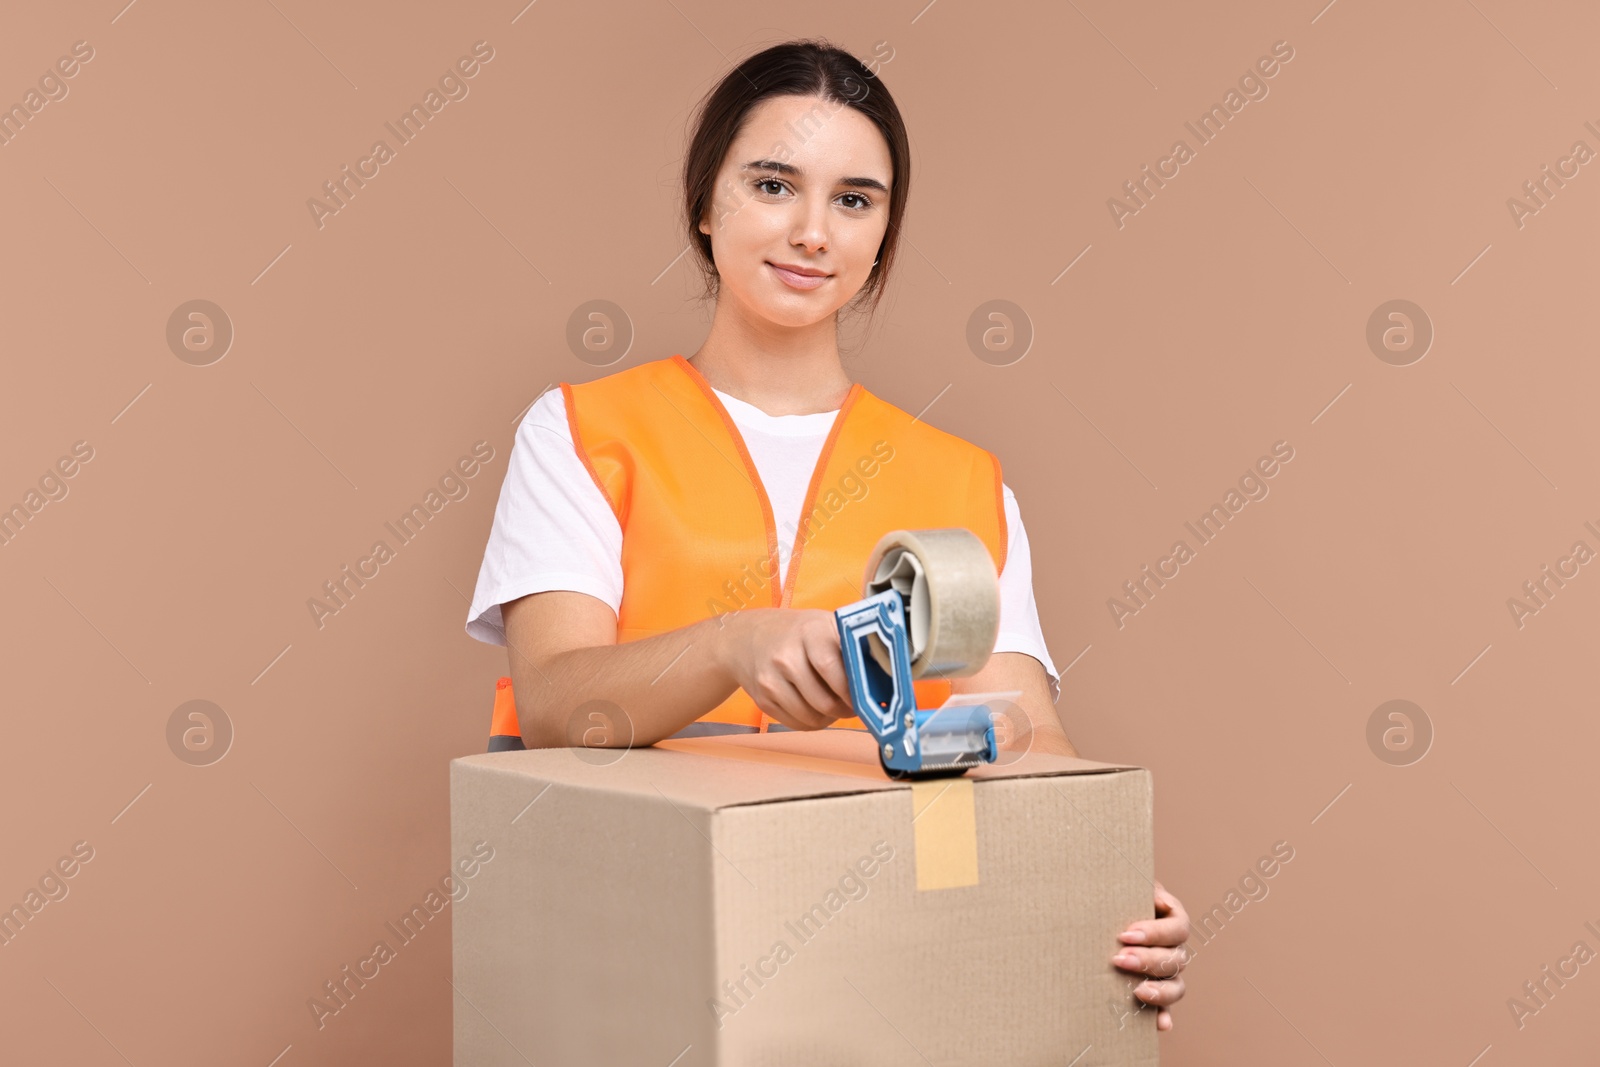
column 926, row 434
column 629, row 378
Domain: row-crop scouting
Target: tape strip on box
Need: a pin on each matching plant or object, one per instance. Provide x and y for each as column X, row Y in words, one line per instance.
column 944, row 820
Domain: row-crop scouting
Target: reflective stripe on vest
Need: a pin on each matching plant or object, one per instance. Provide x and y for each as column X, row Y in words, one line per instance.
column 699, row 539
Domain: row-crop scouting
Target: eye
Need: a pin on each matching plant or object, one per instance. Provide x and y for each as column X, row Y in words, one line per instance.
column 760, row 183
column 865, row 202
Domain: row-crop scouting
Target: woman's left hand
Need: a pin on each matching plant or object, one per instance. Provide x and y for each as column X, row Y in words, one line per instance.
column 1153, row 948
column 1156, row 949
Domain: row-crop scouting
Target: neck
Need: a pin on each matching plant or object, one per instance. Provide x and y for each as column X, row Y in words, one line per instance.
column 781, row 370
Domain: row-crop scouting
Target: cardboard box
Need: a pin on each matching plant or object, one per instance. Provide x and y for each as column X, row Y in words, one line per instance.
column 774, row 899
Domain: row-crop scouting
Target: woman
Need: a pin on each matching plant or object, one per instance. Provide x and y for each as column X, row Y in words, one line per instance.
column 642, row 528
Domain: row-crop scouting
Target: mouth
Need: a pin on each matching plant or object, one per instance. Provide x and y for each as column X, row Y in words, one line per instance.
column 798, row 277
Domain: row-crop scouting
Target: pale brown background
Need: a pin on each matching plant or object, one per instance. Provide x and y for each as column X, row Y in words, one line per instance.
column 429, row 313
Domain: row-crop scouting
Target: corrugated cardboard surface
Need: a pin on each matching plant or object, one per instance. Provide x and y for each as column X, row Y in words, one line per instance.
column 754, row 901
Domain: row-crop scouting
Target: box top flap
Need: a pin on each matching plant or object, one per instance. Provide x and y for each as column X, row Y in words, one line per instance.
column 724, row 771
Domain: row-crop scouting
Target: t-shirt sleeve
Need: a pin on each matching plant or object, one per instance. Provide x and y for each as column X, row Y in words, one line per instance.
column 553, row 528
column 1019, row 613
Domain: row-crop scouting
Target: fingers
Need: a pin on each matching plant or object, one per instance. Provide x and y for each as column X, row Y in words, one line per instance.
column 1164, row 959
column 821, row 701
column 1160, row 992
column 799, row 676
column 1167, row 904
column 828, row 661
column 777, row 696
column 1170, row 930
column 817, row 671
column 1155, row 962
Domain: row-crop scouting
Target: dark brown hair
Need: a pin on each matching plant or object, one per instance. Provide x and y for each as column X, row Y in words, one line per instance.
column 794, row 68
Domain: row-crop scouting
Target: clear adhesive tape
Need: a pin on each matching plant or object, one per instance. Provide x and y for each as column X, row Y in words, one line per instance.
column 953, row 595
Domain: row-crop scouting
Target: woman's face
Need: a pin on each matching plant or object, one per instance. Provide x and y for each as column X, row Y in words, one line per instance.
column 804, row 185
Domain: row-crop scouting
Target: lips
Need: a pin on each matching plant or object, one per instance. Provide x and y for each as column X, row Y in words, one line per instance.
column 798, row 277
column 795, row 268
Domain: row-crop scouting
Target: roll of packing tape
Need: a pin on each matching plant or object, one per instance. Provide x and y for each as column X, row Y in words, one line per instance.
column 953, row 598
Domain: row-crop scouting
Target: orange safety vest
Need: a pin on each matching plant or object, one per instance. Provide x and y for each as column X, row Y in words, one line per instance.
column 698, row 537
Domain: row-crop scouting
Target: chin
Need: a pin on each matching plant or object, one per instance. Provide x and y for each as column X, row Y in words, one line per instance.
column 788, row 308
column 798, row 317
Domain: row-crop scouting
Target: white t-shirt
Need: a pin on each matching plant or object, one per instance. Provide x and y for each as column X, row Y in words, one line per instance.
column 554, row 529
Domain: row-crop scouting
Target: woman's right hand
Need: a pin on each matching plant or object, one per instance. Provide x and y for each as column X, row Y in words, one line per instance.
column 788, row 661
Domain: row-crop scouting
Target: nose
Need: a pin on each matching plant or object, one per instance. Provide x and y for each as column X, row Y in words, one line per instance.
column 811, row 224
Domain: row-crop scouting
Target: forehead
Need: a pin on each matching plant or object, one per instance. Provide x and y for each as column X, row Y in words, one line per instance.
column 827, row 140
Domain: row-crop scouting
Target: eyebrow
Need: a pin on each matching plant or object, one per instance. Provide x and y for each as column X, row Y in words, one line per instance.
column 792, row 171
